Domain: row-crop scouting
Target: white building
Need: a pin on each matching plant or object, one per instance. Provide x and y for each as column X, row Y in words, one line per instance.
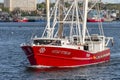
column 25, row 5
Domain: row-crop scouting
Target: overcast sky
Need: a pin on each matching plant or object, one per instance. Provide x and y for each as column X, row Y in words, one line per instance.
column 109, row 1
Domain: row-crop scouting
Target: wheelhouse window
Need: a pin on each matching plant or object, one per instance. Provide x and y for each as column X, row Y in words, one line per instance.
column 46, row 42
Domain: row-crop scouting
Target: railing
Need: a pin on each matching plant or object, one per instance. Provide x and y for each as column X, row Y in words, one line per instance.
column 108, row 40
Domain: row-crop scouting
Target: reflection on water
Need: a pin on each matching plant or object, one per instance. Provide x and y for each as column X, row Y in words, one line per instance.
column 81, row 73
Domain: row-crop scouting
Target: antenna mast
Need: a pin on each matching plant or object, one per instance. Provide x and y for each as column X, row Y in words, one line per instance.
column 48, row 17
column 85, row 19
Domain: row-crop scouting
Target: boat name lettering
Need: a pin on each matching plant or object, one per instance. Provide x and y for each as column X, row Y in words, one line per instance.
column 61, row 52
column 101, row 56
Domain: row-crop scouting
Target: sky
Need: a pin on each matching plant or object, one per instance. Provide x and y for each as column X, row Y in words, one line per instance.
column 111, row 1
column 108, row 1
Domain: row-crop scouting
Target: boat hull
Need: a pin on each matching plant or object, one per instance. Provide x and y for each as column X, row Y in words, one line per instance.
column 63, row 57
column 95, row 20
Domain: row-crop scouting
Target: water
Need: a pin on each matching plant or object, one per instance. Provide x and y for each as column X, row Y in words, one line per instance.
column 13, row 61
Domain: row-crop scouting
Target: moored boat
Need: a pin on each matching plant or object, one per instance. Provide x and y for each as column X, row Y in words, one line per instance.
column 94, row 17
column 95, row 20
column 22, row 20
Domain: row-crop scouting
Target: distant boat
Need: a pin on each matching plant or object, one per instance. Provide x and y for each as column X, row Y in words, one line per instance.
column 79, row 48
column 94, row 17
column 22, row 20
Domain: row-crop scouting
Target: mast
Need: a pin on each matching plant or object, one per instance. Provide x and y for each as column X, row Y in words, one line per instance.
column 60, row 30
column 48, row 17
column 85, row 19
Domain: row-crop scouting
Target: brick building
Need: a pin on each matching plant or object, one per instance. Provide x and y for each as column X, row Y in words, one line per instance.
column 25, row 5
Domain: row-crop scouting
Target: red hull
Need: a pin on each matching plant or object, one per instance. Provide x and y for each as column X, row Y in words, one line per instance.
column 95, row 20
column 63, row 57
column 22, row 20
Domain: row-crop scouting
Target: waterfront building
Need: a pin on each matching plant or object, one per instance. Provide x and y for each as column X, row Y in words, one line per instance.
column 25, row 5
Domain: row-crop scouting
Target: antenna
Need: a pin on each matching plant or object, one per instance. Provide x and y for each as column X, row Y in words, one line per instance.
column 85, row 19
column 48, row 17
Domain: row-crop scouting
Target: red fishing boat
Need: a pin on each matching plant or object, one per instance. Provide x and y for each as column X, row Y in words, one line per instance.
column 95, row 20
column 94, row 17
column 22, row 20
column 79, row 48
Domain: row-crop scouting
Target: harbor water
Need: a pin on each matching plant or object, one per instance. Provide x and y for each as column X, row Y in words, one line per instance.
column 13, row 61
